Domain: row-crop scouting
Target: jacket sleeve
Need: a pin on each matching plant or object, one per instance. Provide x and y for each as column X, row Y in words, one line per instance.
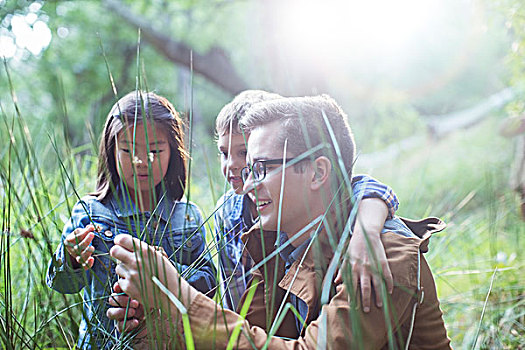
column 333, row 328
column 340, row 324
column 364, row 186
column 201, row 273
column 60, row 275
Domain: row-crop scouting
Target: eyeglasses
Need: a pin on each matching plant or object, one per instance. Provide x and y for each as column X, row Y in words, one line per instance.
column 258, row 168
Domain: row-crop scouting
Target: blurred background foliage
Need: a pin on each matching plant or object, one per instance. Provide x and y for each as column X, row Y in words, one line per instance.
column 393, row 66
column 386, row 64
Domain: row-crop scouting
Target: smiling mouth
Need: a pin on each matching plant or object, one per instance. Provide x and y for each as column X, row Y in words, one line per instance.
column 235, row 179
column 263, row 204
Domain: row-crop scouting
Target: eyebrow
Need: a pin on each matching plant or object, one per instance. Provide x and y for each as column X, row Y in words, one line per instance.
column 154, row 143
column 259, row 158
column 158, row 142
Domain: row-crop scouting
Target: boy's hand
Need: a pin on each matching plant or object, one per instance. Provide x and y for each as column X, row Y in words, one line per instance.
column 364, row 262
column 79, row 248
column 367, row 254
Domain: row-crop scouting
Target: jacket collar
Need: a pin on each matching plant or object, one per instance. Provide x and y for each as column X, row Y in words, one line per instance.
column 305, row 276
column 255, row 238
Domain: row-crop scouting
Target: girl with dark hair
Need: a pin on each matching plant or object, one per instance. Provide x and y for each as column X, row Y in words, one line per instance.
column 140, row 186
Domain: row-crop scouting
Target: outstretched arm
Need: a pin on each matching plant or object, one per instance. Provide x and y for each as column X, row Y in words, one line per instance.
column 335, row 327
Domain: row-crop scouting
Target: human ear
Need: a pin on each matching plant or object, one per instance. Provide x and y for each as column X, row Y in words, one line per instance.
column 322, row 168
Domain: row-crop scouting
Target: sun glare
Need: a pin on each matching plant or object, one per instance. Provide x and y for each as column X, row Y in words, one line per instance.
column 351, row 25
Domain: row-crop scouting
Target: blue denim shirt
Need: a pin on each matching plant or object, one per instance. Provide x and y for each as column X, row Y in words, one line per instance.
column 176, row 226
column 232, row 218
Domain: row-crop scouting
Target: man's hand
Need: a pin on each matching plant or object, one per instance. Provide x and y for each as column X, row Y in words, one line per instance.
column 129, row 314
column 139, row 262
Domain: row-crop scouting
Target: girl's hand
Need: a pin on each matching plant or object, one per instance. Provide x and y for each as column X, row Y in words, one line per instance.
column 135, row 311
column 79, row 248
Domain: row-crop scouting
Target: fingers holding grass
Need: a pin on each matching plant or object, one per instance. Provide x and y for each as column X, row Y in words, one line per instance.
column 79, row 248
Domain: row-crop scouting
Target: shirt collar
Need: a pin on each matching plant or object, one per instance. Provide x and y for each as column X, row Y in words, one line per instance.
column 124, row 206
column 290, row 253
column 239, row 212
column 236, row 212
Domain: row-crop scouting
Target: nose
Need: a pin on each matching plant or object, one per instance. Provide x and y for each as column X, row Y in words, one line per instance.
column 231, row 164
column 141, row 157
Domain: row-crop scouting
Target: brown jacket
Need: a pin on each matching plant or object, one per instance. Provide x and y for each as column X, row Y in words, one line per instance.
column 335, row 324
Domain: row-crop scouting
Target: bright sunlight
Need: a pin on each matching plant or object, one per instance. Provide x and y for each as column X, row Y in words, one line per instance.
column 316, row 26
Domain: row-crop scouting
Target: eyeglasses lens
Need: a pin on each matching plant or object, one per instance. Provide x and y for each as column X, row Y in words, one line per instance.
column 259, row 171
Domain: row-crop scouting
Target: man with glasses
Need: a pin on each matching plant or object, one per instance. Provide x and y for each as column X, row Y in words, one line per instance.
column 300, row 157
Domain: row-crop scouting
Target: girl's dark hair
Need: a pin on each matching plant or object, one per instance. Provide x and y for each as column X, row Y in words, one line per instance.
column 134, row 108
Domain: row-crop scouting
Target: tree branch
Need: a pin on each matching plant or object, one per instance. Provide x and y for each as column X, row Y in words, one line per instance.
column 214, row 65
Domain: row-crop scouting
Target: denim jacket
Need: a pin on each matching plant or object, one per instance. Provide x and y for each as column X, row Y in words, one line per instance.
column 176, row 226
column 232, row 219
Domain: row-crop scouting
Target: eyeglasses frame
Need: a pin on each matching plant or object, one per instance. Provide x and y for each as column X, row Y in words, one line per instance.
column 249, row 168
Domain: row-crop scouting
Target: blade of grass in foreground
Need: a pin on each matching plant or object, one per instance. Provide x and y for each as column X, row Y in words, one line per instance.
column 183, row 311
column 484, row 308
column 244, row 311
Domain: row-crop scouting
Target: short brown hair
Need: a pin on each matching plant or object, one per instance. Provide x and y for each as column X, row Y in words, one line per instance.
column 307, row 122
column 229, row 116
column 136, row 107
